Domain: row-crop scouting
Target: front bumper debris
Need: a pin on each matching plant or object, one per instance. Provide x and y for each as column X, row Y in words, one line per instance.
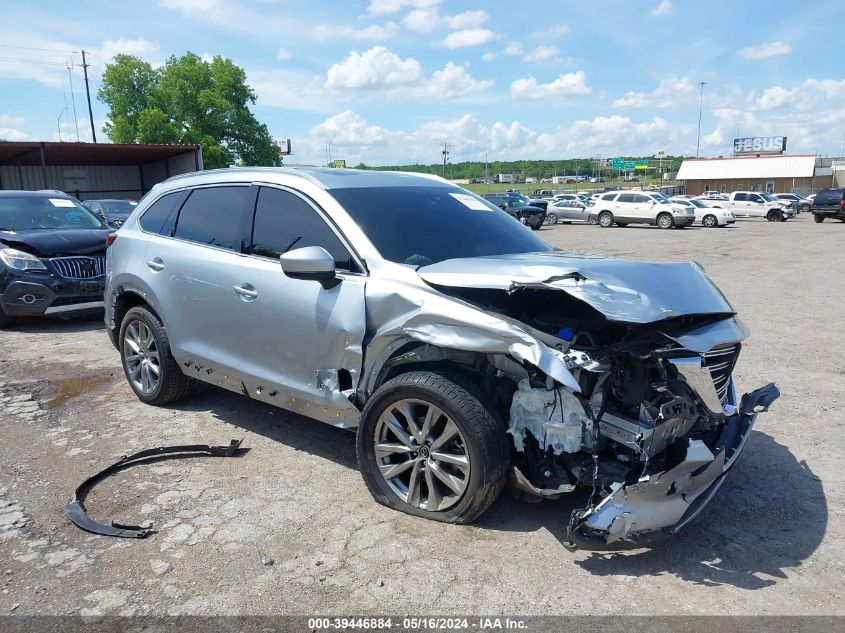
column 75, row 509
column 664, row 503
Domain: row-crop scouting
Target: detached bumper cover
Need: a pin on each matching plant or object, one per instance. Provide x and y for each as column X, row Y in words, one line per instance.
column 664, row 503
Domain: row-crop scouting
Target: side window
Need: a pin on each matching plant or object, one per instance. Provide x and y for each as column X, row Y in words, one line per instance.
column 608, row 196
column 740, row 197
column 626, row 197
column 753, row 198
column 284, row 221
column 157, row 218
column 214, row 216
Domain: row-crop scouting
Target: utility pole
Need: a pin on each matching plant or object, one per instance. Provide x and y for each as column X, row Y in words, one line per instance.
column 88, row 94
column 487, row 171
column 445, row 153
column 72, row 97
column 700, row 102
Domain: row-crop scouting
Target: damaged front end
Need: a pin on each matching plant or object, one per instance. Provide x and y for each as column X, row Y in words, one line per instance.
column 652, row 423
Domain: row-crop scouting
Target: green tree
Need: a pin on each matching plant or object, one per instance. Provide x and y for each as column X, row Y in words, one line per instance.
column 188, row 100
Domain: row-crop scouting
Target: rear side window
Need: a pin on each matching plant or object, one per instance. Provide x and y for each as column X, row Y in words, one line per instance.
column 155, row 218
column 284, row 222
column 609, row 196
column 214, row 216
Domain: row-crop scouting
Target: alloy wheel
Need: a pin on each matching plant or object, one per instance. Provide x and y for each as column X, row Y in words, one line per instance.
column 422, row 455
column 140, row 353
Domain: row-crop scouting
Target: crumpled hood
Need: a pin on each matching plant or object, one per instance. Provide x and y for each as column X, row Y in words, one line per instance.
column 622, row 290
column 47, row 242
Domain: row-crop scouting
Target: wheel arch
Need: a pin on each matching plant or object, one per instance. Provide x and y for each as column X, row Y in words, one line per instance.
column 124, row 300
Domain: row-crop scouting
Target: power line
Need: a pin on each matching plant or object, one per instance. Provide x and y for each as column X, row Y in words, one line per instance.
column 33, row 48
column 31, row 61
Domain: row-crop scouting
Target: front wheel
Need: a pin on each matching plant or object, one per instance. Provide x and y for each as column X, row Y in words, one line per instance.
column 148, row 364
column 709, row 221
column 774, row 216
column 664, row 221
column 429, row 446
column 605, row 219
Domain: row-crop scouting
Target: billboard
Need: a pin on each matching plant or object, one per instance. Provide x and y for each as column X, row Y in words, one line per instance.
column 760, row 145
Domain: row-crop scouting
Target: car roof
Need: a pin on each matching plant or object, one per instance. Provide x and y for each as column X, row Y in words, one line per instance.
column 17, row 193
column 324, row 177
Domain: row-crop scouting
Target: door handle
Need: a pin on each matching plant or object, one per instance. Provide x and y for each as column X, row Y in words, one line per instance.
column 246, row 291
column 155, row 264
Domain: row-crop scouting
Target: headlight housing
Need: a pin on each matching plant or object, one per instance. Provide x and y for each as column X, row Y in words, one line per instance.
column 18, row 260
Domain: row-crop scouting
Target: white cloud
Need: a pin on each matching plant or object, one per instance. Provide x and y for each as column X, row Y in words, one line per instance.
column 387, row 7
column 344, row 32
column 138, row 47
column 765, row 51
column 380, row 69
column 488, row 57
column 566, row 85
column 670, row 92
column 559, row 30
column 467, row 19
column 349, row 129
column 467, row 37
column 541, row 53
column 422, row 20
column 664, row 8
column 513, row 49
column 283, row 55
column 11, row 128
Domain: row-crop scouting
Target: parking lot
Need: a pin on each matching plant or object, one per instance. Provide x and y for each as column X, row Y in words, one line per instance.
column 289, row 525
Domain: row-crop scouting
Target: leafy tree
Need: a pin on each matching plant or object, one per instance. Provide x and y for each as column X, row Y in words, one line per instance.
column 188, row 100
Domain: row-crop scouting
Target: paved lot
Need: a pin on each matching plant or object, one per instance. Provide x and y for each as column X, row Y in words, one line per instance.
column 772, row 542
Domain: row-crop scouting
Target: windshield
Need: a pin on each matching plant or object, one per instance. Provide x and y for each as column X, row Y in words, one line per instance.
column 660, row 198
column 682, row 201
column 769, row 197
column 426, row 225
column 24, row 213
column 118, row 207
column 697, row 203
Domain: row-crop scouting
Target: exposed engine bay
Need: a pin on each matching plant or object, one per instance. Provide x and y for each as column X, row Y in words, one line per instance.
column 654, row 424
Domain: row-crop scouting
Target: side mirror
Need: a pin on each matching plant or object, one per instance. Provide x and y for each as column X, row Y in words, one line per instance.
column 313, row 263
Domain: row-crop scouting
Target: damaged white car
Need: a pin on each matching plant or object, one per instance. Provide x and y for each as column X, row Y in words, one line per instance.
column 466, row 351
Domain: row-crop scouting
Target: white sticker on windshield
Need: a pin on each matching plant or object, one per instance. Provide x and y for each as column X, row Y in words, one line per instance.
column 62, row 202
column 470, row 202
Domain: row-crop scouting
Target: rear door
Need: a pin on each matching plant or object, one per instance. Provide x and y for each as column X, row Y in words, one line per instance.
column 623, row 208
column 739, row 204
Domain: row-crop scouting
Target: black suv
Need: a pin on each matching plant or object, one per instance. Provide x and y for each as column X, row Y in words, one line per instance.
column 516, row 207
column 829, row 203
column 52, row 255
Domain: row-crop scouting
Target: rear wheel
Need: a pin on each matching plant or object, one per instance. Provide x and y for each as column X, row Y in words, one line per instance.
column 818, row 218
column 664, row 221
column 605, row 219
column 148, row 364
column 429, row 446
column 709, row 221
column 551, row 218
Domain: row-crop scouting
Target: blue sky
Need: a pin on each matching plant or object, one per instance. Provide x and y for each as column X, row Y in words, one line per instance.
column 388, row 81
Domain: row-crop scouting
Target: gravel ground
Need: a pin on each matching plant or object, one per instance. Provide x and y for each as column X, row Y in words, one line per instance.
column 290, row 528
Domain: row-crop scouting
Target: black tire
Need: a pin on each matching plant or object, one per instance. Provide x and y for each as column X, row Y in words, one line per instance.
column 664, row 221
column 6, row 320
column 605, row 219
column 536, row 226
column 485, row 440
column 622, row 224
column 710, row 220
column 774, row 216
column 172, row 383
column 818, row 218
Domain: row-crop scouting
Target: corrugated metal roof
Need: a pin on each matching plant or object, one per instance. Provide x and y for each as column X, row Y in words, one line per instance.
column 29, row 153
column 747, row 167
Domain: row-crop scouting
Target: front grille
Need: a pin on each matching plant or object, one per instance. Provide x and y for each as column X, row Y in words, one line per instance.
column 80, row 267
column 720, row 363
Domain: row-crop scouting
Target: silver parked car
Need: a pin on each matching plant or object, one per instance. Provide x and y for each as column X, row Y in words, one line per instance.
column 466, row 351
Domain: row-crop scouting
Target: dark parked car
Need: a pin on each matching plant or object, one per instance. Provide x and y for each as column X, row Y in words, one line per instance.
column 829, row 203
column 516, row 207
column 52, row 255
column 113, row 212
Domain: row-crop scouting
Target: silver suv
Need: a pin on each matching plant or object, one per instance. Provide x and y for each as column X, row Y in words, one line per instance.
column 466, row 351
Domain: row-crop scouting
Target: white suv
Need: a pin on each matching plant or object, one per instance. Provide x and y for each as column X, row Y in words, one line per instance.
column 640, row 207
